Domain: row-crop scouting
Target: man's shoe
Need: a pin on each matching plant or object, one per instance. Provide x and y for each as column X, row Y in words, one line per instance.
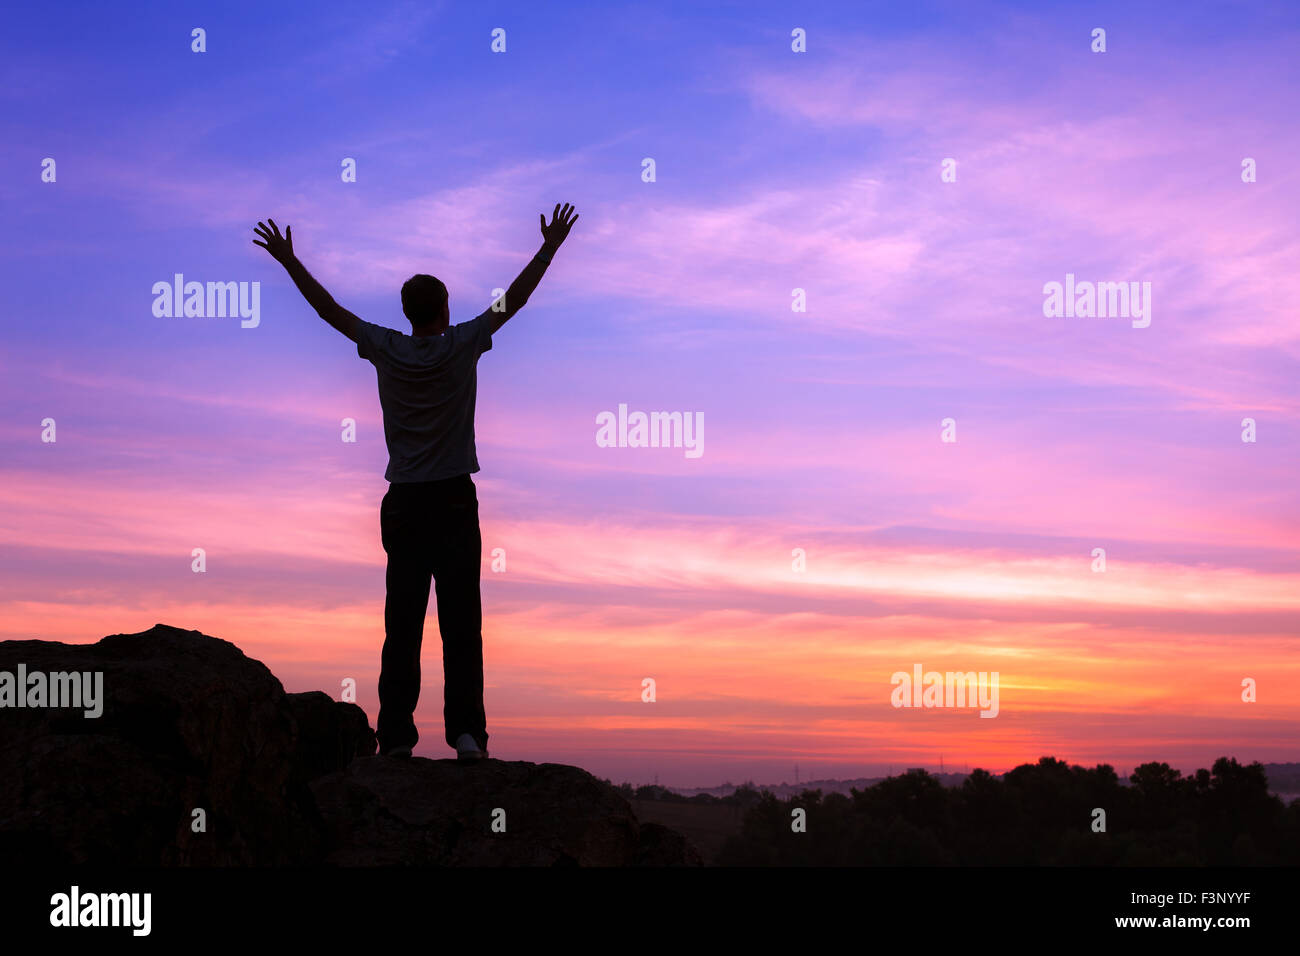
column 401, row 752
column 467, row 749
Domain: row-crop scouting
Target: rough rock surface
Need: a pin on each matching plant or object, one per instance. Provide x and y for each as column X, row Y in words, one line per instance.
column 388, row 811
column 190, row 722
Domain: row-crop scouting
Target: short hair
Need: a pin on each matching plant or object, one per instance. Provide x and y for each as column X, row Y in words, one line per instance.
column 423, row 296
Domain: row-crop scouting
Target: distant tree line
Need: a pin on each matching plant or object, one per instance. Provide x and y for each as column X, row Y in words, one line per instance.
column 1036, row 814
column 744, row 796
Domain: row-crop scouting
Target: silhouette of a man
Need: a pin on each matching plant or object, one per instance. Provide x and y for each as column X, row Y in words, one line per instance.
column 429, row 516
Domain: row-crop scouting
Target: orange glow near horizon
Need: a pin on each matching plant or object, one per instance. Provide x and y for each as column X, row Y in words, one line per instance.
column 742, row 685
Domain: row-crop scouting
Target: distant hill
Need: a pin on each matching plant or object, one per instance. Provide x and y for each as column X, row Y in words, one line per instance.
column 1283, row 778
column 1048, row 813
column 1283, row 781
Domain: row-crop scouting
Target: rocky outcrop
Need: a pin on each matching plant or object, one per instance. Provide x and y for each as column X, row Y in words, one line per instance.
column 192, row 729
column 402, row 812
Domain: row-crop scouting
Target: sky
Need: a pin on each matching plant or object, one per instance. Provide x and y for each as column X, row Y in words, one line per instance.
column 921, row 172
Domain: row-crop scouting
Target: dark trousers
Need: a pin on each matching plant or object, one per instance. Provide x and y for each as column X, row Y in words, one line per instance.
column 430, row 530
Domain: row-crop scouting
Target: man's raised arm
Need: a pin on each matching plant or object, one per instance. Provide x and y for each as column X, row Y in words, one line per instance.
column 516, row 296
column 281, row 248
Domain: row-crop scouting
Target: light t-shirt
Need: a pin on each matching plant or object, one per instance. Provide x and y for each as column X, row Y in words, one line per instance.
column 427, row 388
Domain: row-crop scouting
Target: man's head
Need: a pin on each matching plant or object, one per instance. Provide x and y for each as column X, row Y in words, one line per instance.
column 424, row 300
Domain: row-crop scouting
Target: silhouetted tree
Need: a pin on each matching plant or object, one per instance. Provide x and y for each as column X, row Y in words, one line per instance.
column 1035, row 814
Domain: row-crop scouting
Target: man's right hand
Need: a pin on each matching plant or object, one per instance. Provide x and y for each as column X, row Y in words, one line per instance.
column 562, row 221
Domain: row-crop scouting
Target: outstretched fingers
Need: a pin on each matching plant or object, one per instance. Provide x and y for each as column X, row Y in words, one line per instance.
column 267, row 234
